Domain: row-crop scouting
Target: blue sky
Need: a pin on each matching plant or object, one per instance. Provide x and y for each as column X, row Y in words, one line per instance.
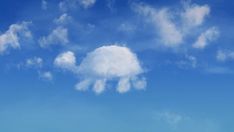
column 116, row 65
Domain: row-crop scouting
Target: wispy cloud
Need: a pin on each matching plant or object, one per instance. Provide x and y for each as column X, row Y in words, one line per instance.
column 59, row 36
column 173, row 26
column 203, row 40
column 162, row 20
column 12, row 37
column 225, row 55
column 44, row 5
column 65, row 5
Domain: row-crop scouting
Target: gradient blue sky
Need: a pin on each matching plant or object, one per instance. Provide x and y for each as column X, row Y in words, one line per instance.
column 189, row 88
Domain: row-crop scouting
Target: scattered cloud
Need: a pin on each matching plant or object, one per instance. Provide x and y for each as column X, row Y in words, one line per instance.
column 58, row 36
column 44, row 5
column 106, row 63
column 110, row 4
column 162, row 20
column 47, row 75
column 126, row 28
column 225, row 55
column 71, row 4
column 188, row 62
column 173, row 26
column 171, row 118
column 66, row 60
column 177, row 122
column 63, row 19
column 12, row 37
column 34, row 62
column 87, row 3
column 208, row 36
column 194, row 15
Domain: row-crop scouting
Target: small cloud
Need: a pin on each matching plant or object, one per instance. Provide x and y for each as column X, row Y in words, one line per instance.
column 172, row 121
column 194, row 15
column 47, row 75
column 174, row 26
column 188, row 62
column 11, row 38
column 126, row 28
column 73, row 4
column 225, row 55
column 206, row 37
column 171, row 118
column 66, row 60
column 87, row 3
column 169, row 34
column 34, row 62
column 110, row 4
column 44, row 5
column 63, row 19
column 58, row 36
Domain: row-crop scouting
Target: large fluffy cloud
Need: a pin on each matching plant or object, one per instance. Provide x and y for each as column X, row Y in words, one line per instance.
column 11, row 38
column 107, row 63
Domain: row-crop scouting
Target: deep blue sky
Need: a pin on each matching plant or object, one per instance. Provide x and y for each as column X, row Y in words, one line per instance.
column 188, row 89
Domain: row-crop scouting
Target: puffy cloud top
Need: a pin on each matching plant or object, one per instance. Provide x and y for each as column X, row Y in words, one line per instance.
column 111, row 61
column 66, row 60
column 107, row 63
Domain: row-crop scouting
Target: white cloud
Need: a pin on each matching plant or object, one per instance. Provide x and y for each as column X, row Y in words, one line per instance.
column 66, row 60
column 203, row 40
column 173, row 26
column 126, row 28
column 87, row 3
column 58, row 36
column 189, row 61
column 180, row 122
column 170, row 35
column 11, row 38
column 63, row 19
column 44, row 5
column 34, row 62
column 194, row 15
column 72, row 4
column 46, row 75
column 107, row 63
column 225, row 55
column 173, row 119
